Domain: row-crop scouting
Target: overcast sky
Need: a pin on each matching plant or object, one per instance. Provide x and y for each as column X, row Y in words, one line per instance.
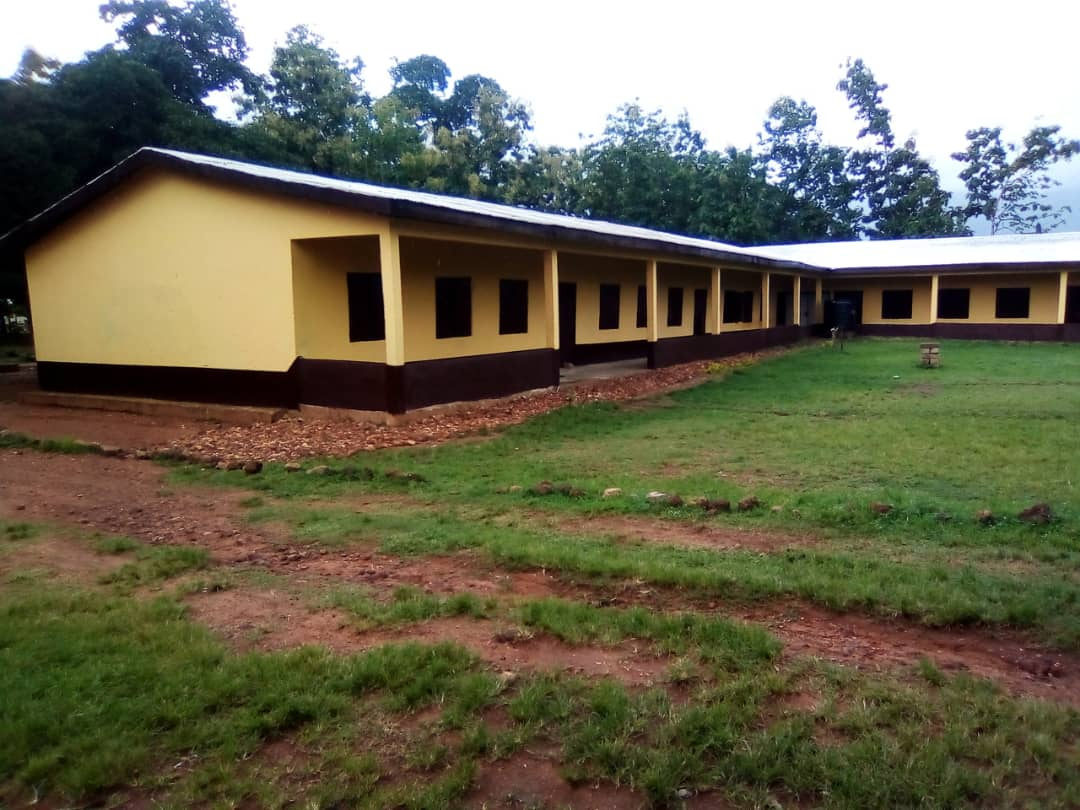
column 950, row 66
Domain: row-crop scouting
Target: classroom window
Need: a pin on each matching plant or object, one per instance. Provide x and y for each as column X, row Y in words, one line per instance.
column 513, row 306
column 453, row 307
column 896, row 305
column 674, row 306
column 365, row 302
column 954, row 303
column 1013, row 302
column 609, row 306
column 738, row 306
column 642, row 308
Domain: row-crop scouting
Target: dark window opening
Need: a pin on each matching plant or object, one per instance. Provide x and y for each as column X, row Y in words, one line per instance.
column 642, row 307
column 674, row 306
column 896, row 304
column 609, row 306
column 367, row 321
column 513, row 306
column 453, row 307
column 1072, row 305
column 738, row 306
column 954, row 303
column 1013, row 302
column 701, row 308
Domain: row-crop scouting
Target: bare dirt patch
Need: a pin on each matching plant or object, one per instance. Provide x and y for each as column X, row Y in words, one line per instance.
column 531, row 779
column 61, row 557
column 274, row 620
column 126, row 430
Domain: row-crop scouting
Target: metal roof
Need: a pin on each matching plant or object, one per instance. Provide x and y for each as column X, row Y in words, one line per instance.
column 983, row 252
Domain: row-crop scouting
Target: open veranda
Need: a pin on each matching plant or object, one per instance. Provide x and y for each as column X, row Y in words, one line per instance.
column 833, row 578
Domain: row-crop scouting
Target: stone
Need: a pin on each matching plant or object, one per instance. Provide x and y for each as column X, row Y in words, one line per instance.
column 234, row 465
column 776, row 510
column 292, row 467
column 700, row 502
column 143, row 455
column 985, row 517
column 222, row 465
column 749, row 503
column 563, row 489
column 543, row 488
column 253, row 467
column 656, row 496
column 1038, row 514
column 576, row 492
column 111, row 450
column 673, row 500
column 881, row 508
column 321, row 469
column 715, row 505
column 515, row 488
column 612, row 492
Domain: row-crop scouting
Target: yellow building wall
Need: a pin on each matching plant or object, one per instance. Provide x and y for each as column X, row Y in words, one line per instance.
column 321, row 297
column 689, row 278
column 168, row 270
column 1044, row 295
column 742, row 281
column 422, row 260
column 588, row 273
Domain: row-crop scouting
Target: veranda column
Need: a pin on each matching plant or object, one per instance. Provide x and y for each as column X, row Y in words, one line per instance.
column 796, row 301
column 716, row 303
column 390, row 269
column 551, row 299
column 934, row 285
column 766, row 319
column 1063, row 295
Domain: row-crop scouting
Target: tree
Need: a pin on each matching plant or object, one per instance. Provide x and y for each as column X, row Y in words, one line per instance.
column 1007, row 184
column 899, row 190
column 797, row 161
column 196, row 48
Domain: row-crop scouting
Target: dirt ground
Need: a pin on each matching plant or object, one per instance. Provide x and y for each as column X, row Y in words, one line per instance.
column 118, row 496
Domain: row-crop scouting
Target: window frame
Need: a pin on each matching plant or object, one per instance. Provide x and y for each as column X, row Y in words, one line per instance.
column 891, row 308
column 609, row 302
column 364, row 307
column 451, row 319
column 513, row 306
column 998, row 303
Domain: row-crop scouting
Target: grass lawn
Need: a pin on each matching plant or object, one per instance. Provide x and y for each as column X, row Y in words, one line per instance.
column 113, row 692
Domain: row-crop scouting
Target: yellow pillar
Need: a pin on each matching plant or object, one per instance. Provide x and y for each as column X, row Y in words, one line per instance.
column 390, row 269
column 819, row 301
column 652, row 308
column 1063, row 294
column 934, row 282
column 766, row 319
column 716, row 303
column 796, row 301
column 551, row 299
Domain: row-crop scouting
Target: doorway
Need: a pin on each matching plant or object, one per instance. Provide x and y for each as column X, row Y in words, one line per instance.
column 701, row 308
column 1072, row 305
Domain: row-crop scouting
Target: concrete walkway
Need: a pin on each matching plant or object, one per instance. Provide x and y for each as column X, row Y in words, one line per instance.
column 602, row 371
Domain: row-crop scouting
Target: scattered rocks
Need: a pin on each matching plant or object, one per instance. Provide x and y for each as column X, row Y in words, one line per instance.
column 253, row 468
column 881, row 508
column 985, row 517
column 511, row 635
column 612, row 492
column 293, row 467
column 1042, row 666
column 321, row 469
column 1038, row 514
column 749, row 503
column 143, row 455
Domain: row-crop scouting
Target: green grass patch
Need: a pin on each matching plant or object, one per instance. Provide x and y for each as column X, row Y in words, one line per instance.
column 154, row 564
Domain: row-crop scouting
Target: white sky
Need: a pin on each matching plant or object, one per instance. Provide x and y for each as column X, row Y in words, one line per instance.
column 950, row 65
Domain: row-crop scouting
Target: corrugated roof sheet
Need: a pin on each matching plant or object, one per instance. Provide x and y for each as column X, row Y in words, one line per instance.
column 1010, row 249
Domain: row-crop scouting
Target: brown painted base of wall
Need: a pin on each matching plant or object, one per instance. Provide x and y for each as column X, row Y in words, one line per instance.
column 330, row 383
column 671, row 351
column 227, row 386
column 978, row 331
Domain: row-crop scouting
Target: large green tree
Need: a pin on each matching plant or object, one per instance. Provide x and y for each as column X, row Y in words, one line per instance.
column 899, row 190
column 1007, row 183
